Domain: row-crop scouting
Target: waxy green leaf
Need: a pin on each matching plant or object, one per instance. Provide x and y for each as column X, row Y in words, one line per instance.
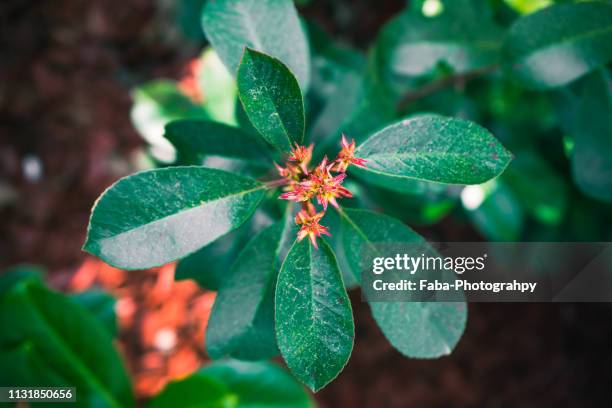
column 157, row 216
column 48, row 337
column 432, row 148
column 271, row 98
column 196, row 140
column 413, row 45
column 332, row 61
column 336, row 86
column 259, row 384
column 592, row 153
column 101, row 305
column 358, row 107
column 559, row 44
column 269, row 26
column 545, row 197
column 421, row 329
column 362, row 229
column 193, row 391
column 210, row 275
column 333, row 223
column 429, row 204
column 337, row 108
column 224, row 251
column 314, row 320
column 415, row 329
column 235, row 384
column 241, row 323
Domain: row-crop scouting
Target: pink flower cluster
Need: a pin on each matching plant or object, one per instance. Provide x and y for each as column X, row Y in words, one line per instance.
column 304, row 185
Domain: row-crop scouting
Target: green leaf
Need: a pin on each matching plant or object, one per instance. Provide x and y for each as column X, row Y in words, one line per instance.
column 195, row 391
column 545, row 196
column 413, row 45
column 209, row 275
column 415, row 329
column 421, row 329
column 155, row 104
column 361, row 229
column 218, row 88
column 196, row 140
column 269, row 26
column 259, row 384
column 528, row 6
column 234, row 384
column 592, row 154
column 47, row 331
column 332, row 61
column 427, row 205
column 432, row 148
column 224, row 251
column 241, row 323
column 343, row 98
column 375, row 106
column 559, row 44
column 336, row 70
column 495, row 211
column 101, row 305
column 337, row 108
column 19, row 273
column 411, row 187
column 333, row 222
column 243, row 120
column 27, row 367
column 158, row 216
column 314, row 320
column 271, row 99
column 188, row 16
column 356, row 108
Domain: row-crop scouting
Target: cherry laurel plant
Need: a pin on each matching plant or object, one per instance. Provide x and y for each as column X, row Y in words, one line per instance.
column 286, row 290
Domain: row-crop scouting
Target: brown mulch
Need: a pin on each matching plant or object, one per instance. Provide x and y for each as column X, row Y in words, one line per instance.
column 66, row 69
column 528, row 355
column 161, row 322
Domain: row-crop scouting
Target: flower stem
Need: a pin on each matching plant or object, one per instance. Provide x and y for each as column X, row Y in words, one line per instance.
column 275, row 183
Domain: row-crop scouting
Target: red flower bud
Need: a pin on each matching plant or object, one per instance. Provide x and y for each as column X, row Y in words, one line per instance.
column 309, row 220
column 347, row 157
column 302, row 156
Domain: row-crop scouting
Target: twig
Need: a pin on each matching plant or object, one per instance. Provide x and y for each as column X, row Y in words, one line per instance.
column 442, row 83
column 275, row 183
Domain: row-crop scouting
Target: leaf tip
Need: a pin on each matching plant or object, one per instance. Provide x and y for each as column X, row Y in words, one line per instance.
column 89, row 245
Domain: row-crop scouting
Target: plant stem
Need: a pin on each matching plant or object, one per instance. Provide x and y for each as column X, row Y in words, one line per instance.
column 275, row 183
column 442, row 83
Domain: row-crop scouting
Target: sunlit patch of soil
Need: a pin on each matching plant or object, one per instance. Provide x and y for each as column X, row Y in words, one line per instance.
column 161, row 322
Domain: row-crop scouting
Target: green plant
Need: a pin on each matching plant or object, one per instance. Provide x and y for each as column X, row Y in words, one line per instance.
column 235, row 384
column 457, row 58
column 53, row 340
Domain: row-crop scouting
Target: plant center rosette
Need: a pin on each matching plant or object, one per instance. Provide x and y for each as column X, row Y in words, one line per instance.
column 322, row 184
